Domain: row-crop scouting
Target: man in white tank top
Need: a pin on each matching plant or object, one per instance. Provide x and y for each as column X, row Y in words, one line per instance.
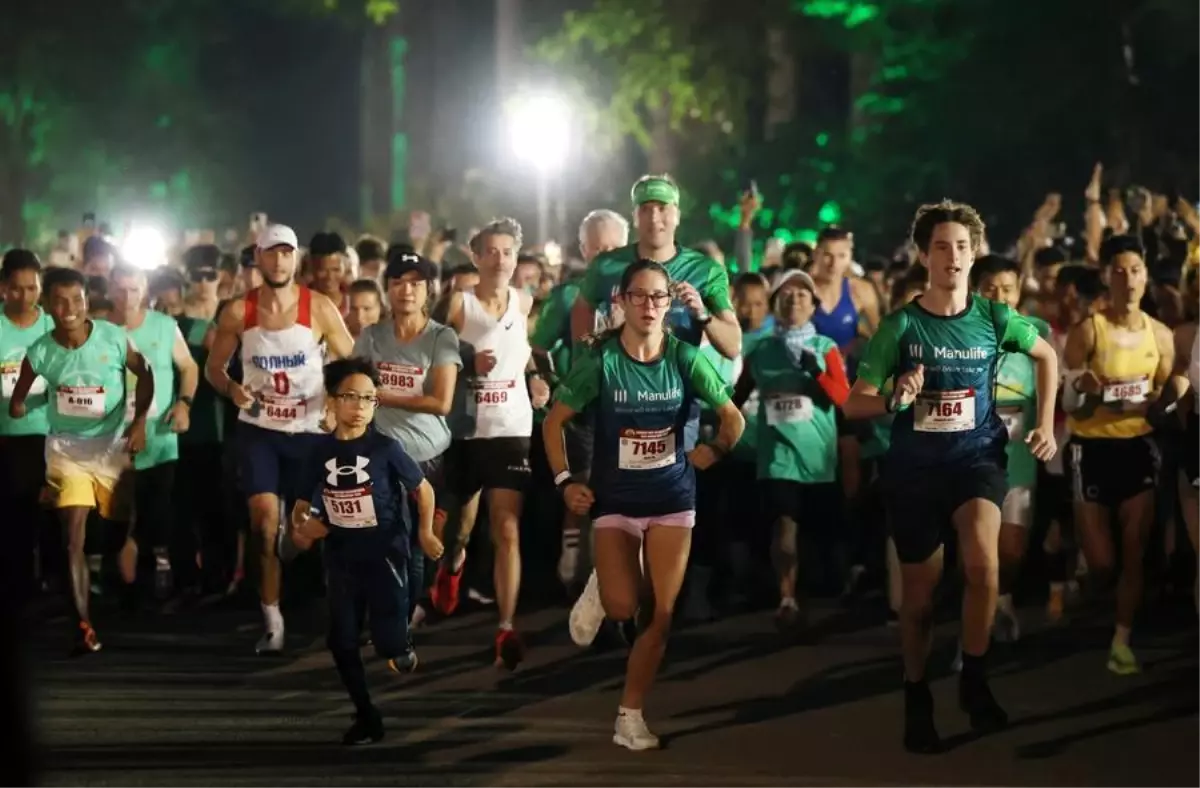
column 281, row 327
column 492, row 452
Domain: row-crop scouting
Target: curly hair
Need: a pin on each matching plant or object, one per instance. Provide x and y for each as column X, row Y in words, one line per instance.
column 947, row 212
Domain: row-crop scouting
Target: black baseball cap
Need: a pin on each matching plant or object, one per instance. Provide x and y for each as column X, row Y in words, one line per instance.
column 401, row 261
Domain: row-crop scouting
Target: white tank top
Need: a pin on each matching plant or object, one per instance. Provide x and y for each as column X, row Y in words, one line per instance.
column 284, row 370
column 500, row 398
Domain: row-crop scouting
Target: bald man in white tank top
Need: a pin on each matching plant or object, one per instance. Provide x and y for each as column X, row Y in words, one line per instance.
column 491, row 452
column 285, row 332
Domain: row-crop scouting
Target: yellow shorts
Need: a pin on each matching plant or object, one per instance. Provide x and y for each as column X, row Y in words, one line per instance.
column 86, row 473
column 90, row 491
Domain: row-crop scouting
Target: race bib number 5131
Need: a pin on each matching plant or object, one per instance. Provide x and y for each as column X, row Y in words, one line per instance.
column 944, row 411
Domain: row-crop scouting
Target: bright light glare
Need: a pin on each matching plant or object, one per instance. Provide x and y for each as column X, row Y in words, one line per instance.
column 540, row 128
column 145, row 247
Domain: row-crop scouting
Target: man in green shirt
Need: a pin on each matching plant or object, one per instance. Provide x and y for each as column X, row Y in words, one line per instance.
column 84, row 362
column 999, row 279
column 22, row 441
column 945, row 465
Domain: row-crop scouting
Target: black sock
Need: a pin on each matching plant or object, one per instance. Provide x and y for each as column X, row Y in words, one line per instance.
column 1056, row 567
column 354, row 678
column 974, row 668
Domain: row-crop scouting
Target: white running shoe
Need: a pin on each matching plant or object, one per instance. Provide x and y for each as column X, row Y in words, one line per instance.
column 568, row 563
column 587, row 615
column 271, row 643
column 631, row 733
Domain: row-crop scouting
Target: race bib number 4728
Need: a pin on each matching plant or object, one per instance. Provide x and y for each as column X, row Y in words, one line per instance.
column 944, row 411
column 645, row 450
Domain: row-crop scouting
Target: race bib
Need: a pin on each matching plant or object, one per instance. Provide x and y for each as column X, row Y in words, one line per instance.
column 493, row 392
column 284, row 409
column 350, row 508
column 81, row 402
column 1127, row 390
column 944, row 411
column 8, row 381
column 403, row 379
column 789, row 409
column 1014, row 422
column 645, row 450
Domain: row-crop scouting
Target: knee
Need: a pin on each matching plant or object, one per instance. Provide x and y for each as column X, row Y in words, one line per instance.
column 1012, row 547
column 917, row 601
column 982, row 574
column 619, row 608
column 785, row 538
column 660, row 624
column 504, row 535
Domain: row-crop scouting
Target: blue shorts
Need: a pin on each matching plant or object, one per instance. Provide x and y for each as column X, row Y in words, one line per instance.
column 274, row 462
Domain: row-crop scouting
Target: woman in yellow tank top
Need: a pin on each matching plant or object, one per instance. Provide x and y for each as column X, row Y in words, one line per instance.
column 1118, row 360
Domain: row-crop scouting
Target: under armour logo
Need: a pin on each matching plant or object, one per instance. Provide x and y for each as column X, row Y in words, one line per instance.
column 358, row 469
column 510, row 325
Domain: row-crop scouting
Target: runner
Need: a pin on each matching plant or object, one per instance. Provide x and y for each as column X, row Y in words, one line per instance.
column 493, row 454
column 999, row 279
column 945, row 465
column 801, row 380
column 327, row 266
column 849, row 304
column 163, row 347
column 22, row 441
column 601, row 231
column 418, row 362
column 366, row 306
column 643, row 485
column 83, row 362
column 1117, row 362
column 361, row 482
column 282, row 327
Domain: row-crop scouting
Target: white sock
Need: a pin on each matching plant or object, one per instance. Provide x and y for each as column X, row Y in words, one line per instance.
column 631, row 714
column 1121, row 636
column 506, row 626
column 272, row 618
column 788, row 601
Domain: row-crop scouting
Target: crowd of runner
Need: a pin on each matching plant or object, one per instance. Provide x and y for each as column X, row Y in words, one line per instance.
column 841, row 422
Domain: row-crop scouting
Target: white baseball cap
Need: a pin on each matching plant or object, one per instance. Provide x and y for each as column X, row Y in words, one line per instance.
column 278, row 235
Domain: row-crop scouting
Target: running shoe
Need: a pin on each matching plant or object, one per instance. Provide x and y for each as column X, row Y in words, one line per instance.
column 404, row 664
column 270, row 644
column 88, row 642
column 976, row 700
column 443, row 595
column 920, row 733
column 1122, row 661
column 631, row 733
column 509, row 649
column 366, row 729
column 1006, row 627
column 587, row 615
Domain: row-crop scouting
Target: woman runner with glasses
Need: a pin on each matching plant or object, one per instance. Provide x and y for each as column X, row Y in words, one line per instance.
column 642, row 492
column 360, row 482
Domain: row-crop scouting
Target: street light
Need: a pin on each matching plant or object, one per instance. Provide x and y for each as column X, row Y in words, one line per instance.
column 539, row 127
column 145, row 247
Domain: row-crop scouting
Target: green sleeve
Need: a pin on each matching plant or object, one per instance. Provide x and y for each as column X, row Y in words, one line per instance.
column 882, row 354
column 554, row 317
column 582, row 383
column 1018, row 334
column 706, row 381
column 589, row 288
column 715, row 292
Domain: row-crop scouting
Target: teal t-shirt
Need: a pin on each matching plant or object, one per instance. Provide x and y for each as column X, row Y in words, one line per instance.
column 640, row 466
column 207, row 415
column 746, row 449
column 85, row 386
column 954, row 419
column 14, row 341
column 796, row 422
column 1016, row 402
column 603, row 281
column 155, row 340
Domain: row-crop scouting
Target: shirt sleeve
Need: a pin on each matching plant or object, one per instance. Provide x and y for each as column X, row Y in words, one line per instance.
column 707, row 382
column 1017, row 334
column 36, row 356
column 589, row 289
column 405, row 468
column 882, row 354
column 446, row 349
column 582, row 383
column 716, row 289
column 833, row 379
column 362, row 345
column 552, row 320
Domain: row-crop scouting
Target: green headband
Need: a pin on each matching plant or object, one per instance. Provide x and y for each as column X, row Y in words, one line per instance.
column 655, row 190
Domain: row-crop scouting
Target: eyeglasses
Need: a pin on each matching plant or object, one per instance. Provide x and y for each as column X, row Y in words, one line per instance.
column 204, row 275
column 350, row 398
column 640, row 298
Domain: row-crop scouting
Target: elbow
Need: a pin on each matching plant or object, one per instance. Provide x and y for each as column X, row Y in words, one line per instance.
column 443, row 407
column 853, row 407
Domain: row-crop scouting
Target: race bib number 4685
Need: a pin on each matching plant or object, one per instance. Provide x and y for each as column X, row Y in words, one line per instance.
column 944, row 411
column 645, row 450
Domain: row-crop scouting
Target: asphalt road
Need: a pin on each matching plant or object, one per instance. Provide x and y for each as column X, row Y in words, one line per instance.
column 181, row 700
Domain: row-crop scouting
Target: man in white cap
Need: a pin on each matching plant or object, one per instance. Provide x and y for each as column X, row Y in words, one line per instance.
column 281, row 326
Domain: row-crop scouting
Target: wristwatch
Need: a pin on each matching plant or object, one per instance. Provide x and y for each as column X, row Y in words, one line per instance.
column 705, row 320
column 562, row 480
column 186, row 400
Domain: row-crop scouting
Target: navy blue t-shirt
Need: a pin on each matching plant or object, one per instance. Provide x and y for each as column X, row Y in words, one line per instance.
column 360, row 490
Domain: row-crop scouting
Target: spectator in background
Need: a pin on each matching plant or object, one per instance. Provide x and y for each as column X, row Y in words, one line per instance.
column 251, row 278
column 372, row 258
column 366, row 306
column 166, row 291
column 529, row 273
column 61, row 255
column 99, row 256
